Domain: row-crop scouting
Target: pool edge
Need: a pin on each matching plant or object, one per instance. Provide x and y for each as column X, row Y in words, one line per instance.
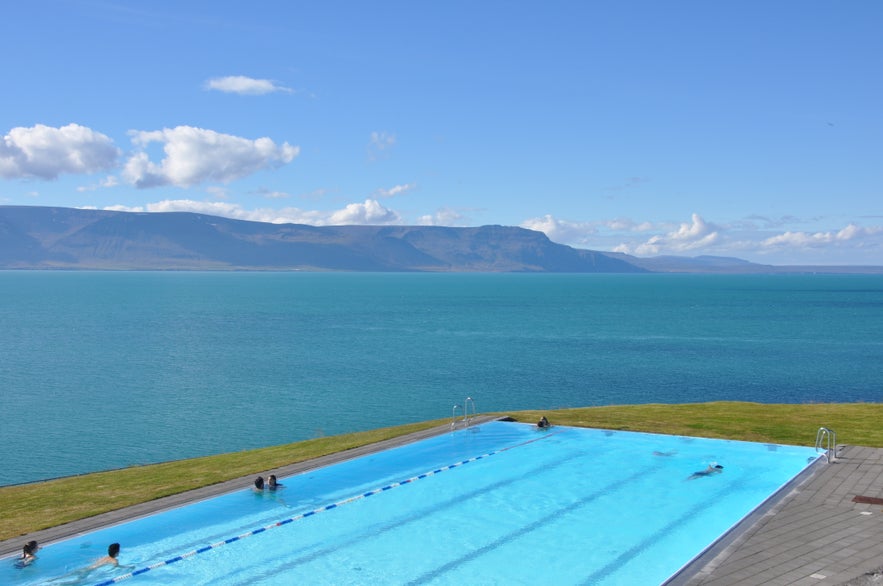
column 704, row 562
column 10, row 547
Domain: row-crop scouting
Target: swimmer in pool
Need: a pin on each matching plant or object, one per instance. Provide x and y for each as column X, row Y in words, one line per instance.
column 272, row 484
column 259, row 484
column 544, row 423
column 113, row 550
column 710, row 471
column 28, row 554
column 80, row 575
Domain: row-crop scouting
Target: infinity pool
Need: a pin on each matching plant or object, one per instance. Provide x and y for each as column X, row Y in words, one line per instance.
column 499, row 503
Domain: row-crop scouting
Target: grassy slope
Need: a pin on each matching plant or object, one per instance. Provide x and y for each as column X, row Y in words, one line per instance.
column 36, row 506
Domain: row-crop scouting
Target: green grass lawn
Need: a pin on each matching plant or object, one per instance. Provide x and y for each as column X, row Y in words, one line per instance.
column 858, row 424
column 28, row 508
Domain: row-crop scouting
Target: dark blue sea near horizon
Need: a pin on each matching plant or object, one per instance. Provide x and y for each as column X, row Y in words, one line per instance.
column 103, row 370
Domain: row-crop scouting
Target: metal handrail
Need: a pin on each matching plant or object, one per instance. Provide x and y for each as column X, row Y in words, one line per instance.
column 466, row 404
column 827, row 439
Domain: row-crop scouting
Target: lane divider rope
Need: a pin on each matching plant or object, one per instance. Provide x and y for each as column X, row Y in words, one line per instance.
column 322, row 509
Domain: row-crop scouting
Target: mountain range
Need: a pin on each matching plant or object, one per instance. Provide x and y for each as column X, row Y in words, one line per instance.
column 33, row 237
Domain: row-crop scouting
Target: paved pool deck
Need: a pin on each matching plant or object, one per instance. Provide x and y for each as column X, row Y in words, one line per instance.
column 812, row 533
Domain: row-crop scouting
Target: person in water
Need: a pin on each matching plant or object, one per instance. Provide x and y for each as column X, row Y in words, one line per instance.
column 543, row 423
column 259, row 484
column 113, row 550
column 711, row 470
column 272, row 484
column 28, row 554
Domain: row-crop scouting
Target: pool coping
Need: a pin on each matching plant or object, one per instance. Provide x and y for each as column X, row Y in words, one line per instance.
column 700, row 564
column 809, row 532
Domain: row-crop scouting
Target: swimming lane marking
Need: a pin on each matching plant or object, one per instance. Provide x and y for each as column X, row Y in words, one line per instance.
column 346, row 501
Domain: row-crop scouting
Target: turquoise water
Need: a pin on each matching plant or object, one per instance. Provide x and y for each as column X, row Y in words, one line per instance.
column 106, row 370
column 585, row 506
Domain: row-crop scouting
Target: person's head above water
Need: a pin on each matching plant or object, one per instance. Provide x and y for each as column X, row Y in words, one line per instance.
column 113, row 550
column 259, row 482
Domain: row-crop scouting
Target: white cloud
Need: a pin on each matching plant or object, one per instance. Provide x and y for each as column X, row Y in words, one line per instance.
column 214, row 208
column 574, row 233
column 240, row 84
column 396, row 190
column 194, row 155
column 379, row 143
column 46, row 152
column 581, row 234
column 626, row 225
column 116, row 208
column 852, row 244
column 368, row 213
column 696, row 231
column 107, row 182
column 850, row 232
column 442, row 217
column 799, row 240
column 696, row 235
column 382, row 140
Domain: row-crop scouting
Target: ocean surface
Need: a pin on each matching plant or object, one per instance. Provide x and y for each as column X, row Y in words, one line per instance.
column 103, row 370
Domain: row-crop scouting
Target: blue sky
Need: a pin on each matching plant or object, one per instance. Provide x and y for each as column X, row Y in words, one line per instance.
column 751, row 129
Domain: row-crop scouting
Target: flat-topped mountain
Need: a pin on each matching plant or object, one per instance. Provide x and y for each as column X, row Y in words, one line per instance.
column 65, row 238
column 33, row 237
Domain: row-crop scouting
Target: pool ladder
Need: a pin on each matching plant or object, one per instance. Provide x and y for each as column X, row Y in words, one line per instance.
column 826, row 440
column 466, row 417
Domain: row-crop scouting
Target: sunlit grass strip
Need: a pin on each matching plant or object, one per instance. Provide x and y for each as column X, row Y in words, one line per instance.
column 31, row 507
column 36, row 506
column 791, row 424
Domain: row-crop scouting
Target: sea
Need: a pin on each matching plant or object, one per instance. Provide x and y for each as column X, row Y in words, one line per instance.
column 103, row 370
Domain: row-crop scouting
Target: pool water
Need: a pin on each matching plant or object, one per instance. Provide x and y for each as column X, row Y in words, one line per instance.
column 499, row 503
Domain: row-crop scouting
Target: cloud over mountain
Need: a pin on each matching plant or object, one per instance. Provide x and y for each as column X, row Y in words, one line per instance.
column 195, row 155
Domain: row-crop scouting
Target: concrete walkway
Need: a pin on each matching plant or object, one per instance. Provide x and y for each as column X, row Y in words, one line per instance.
column 813, row 534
